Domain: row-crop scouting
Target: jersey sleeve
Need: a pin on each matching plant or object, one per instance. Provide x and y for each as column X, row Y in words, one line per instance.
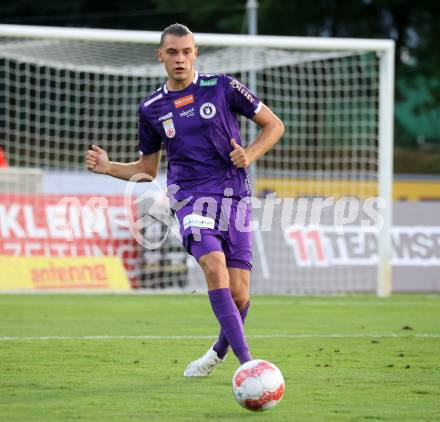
column 149, row 140
column 240, row 98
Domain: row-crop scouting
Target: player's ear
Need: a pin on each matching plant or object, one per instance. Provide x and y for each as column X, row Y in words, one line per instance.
column 159, row 55
column 196, row 52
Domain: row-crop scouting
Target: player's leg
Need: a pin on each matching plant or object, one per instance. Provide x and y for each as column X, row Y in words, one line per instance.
column 238, row 252
column 239, row 281
column 208, row 253
column 208, row 240
column 222, row 303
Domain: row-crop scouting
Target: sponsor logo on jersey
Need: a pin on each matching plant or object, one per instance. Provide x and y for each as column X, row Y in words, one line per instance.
column 183, row 101
column 209, row 82
column 166, row 117
column 168, row 127
column 242, row 90
column 188, row 113
column 207, row 110
column 195, row 220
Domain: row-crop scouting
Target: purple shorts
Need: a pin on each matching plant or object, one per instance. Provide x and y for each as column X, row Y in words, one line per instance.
column 221, row 224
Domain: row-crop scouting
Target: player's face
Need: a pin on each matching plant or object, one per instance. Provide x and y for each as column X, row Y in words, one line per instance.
column 178, row 55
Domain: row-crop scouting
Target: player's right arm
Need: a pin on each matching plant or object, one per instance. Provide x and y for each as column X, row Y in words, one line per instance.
column 97, row 161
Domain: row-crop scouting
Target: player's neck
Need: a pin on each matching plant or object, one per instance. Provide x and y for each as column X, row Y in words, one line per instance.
column 173, row 85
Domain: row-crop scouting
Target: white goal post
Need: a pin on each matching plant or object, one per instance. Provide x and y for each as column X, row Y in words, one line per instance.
column 62, row 89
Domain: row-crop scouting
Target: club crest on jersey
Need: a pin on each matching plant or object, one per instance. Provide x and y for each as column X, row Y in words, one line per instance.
column 168, row 127
column 207, row 110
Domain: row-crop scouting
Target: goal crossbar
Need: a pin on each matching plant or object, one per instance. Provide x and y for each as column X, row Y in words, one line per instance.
column 213, row 40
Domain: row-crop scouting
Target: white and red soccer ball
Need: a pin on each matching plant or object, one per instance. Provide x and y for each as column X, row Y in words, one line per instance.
column 258, row 385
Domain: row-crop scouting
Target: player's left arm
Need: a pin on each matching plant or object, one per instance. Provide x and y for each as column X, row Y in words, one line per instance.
column 271, row 130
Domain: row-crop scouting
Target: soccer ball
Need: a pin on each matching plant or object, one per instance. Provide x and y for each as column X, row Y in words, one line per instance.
column 258, row 385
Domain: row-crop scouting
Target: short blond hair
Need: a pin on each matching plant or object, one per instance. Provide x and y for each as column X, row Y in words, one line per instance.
column 177, row 29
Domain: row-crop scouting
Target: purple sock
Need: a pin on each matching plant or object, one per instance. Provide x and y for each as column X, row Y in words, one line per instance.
column 228, row 316
column 222, row 345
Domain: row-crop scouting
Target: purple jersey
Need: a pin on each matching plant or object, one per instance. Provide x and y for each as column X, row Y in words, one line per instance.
column 197, row 125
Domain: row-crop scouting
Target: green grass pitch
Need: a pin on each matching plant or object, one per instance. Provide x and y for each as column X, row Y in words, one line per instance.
column 120, row 358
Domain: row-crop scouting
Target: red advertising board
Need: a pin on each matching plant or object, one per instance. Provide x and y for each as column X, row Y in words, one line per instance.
column 60, row 226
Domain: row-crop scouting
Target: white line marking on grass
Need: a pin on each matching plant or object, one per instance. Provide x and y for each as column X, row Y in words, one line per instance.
column 340, row 303
column 203, row 337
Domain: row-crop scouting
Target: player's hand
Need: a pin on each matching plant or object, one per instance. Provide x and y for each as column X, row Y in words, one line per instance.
column 239, row 157
column 97, row 160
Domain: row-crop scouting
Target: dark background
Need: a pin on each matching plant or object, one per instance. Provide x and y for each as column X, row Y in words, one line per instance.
column 414, row 25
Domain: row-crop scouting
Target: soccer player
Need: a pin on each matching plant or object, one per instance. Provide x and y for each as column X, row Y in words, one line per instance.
column 195, row 116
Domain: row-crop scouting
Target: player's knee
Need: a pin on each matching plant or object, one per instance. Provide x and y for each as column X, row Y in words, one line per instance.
column 241, row 299
column 240, row 287
column 214, row 267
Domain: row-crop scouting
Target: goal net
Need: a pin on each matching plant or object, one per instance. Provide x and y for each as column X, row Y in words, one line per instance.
column 315, row 217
